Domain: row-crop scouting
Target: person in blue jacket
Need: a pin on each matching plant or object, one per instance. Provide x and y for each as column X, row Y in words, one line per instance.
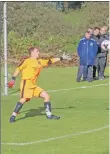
column 87, row 51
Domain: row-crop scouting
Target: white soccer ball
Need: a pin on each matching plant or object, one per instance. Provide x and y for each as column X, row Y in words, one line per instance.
column 105, row 45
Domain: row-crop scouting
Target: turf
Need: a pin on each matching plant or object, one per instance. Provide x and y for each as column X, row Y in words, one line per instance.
column 81, row 110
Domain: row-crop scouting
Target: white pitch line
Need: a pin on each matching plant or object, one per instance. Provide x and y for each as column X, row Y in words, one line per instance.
column 55, row 138
column 82, row 87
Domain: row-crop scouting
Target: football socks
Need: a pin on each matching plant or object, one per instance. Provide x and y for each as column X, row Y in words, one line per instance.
column 18, row 107
column 47, row 106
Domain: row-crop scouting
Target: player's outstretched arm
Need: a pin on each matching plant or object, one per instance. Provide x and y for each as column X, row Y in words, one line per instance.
column 54, row 60
column 63, row 57
column 12, row 82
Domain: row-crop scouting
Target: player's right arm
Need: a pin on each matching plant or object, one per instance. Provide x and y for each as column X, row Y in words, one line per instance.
column 20, row 67
column 54, row 60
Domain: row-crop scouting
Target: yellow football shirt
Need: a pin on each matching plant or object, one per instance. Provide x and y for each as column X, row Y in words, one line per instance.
column 31, row 68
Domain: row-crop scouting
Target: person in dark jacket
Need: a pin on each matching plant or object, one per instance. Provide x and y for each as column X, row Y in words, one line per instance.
column 102, row 54
column 87, row 50
column 96, row 37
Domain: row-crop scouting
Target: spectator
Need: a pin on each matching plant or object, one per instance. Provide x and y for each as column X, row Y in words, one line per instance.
column 106, row 30
column 96, row 37
column 102, row 55
column 104, row 33
column 87, row 50
column 90, row 30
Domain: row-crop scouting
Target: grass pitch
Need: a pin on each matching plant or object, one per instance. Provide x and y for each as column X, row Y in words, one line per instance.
column 82, row 129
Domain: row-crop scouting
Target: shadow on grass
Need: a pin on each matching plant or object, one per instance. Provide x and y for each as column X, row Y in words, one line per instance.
column 38, row 112
column 32, row 113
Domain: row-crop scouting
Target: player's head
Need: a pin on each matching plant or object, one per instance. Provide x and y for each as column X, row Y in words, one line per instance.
column 34, row 52
column 96, row 31
column 88, row 35
column 90, row 30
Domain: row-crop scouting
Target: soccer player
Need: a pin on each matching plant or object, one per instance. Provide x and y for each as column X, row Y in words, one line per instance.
column 30, row 69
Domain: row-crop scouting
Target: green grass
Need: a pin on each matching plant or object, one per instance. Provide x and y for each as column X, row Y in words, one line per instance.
column 80, row 110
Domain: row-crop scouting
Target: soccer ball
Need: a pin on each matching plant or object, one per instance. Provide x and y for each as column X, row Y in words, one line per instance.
column 105, row 45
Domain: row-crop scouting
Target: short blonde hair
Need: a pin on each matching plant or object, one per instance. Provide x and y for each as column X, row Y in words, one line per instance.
column 105, row 27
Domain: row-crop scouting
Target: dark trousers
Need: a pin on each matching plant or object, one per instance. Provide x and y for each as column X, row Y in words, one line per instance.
column 94, row 71
column 95, row 67
column 86, row 72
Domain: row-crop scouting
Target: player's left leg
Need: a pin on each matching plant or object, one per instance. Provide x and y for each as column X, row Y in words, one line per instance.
column 47, row 105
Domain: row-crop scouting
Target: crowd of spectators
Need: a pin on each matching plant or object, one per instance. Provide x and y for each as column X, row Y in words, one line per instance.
column 93, row 58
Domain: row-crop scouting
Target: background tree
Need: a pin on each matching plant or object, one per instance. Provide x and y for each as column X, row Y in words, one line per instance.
column 41, row 24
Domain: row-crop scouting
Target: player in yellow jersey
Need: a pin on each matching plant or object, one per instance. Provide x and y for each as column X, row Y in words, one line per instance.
column 30, row 69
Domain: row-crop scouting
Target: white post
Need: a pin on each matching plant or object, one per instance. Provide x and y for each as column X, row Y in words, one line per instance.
column 5, row 50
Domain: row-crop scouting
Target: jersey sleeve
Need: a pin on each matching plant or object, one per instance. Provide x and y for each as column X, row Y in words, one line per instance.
column 45, row 62
column 22, row 65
